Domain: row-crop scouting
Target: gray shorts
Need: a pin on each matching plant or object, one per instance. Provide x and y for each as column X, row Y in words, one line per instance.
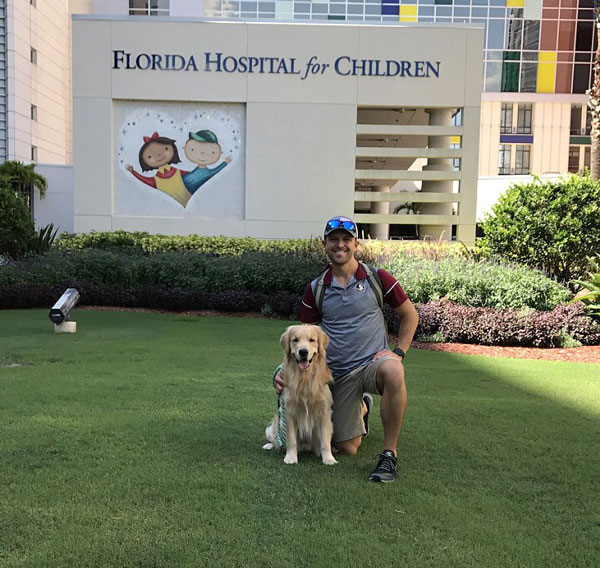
column 347, row 394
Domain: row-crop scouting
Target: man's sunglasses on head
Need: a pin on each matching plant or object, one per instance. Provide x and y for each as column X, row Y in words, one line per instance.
column 338, row 224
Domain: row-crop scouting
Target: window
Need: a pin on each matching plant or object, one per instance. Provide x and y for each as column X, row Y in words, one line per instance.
column 514, row 159
column 504, row 160
column 524, row 119
column 522, row 159
column 457, row 118
column 506, row 118
column 581, row 120
column 522, row 112
column 579, row 158
column 575, row 120
column 33, row 3
column 33, row 56
column 148, row 7
column 34, row 153
column 573, row 159
column 528, row 77
column 587, row 157
column 33, row 112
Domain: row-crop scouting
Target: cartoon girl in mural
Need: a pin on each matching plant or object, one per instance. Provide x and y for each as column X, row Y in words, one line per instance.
column 158, row 153
column 203, row 149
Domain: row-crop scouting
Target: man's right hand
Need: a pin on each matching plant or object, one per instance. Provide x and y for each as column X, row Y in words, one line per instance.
column 278, row 382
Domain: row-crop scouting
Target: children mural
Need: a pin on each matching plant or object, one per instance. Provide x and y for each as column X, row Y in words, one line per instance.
column 203, row 183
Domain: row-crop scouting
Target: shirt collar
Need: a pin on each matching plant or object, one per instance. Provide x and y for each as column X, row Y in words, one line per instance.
column 360, row 274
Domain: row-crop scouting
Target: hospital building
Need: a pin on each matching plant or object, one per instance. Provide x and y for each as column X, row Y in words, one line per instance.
column 412, row 116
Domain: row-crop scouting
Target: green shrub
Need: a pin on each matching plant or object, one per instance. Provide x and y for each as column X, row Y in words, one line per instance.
column 461, row 280
column 564, row 326
column 476, row 284
column 16, row 227
column 43, row 240
column 590, row 289
column 20, row 177
column 255, row 272
column 550, row 225
column 217, row 246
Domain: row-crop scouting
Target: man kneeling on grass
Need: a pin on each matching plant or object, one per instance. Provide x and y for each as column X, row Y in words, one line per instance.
column 344, row 301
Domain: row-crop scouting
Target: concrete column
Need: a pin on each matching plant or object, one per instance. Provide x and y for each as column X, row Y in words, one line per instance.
column 438, row 117
column 380, row 231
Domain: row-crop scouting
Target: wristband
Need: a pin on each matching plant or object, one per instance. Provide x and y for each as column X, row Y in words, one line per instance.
column 400, row 352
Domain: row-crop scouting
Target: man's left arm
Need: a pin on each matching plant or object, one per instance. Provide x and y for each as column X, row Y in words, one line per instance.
column 409, row 319
column 397, row 299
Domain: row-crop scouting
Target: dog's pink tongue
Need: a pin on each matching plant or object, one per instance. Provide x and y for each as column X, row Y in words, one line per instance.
column 303, row 365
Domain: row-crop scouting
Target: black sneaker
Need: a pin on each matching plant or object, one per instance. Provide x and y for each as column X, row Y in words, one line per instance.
column 385, row 472
column 368, row 400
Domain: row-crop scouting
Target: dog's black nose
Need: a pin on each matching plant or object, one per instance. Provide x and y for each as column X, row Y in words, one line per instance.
column 303, row 352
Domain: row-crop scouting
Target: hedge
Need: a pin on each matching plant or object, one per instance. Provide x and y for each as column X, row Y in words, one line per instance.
column 43, row 295
column 476, row 284
column 253, row 272
column 460, row 280
column 215, row 246
column 564, row 326
column 272, row 283
column 369, row 250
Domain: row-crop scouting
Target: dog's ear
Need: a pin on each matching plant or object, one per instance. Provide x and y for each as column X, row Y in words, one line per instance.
column 284, row 340
column 323, row 342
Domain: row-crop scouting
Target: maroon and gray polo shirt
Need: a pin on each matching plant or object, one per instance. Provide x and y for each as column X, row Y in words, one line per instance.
column 352, row 318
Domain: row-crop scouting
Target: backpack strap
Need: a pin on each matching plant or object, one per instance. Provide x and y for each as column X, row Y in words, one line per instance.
column 374, row 281
column 320, row 292
column 372, row 278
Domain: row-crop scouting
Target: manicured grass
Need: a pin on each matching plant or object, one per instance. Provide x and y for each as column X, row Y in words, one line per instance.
column 137, row 442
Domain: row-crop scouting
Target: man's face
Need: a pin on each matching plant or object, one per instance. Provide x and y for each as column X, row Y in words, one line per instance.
column 340, row 246
column 202, row 153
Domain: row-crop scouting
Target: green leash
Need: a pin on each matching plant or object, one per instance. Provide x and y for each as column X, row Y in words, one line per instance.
column 280, row 412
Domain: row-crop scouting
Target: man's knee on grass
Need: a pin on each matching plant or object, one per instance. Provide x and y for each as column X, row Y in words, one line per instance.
column 390, row 375
column 348, row 447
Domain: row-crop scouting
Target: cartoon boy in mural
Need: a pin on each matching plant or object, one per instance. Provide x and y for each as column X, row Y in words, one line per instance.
column 203, row 149
column 158, row 153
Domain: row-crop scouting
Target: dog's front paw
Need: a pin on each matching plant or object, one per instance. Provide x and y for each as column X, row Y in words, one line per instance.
column 290, row 459
column 268, row 446
column 329, row 460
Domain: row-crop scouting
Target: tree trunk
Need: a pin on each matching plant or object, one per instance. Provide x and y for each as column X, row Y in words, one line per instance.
column 594, row 105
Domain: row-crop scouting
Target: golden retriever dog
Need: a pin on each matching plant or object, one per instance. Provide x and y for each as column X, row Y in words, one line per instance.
column 306, row 395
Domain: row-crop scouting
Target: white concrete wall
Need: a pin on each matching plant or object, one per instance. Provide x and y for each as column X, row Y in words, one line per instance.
column 57, row 205
column 550, row 152
column 490, row 138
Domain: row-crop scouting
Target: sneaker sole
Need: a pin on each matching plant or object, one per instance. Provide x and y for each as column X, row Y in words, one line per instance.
column 379, row 480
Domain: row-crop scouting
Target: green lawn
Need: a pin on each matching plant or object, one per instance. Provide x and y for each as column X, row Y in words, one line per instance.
column 137, row 442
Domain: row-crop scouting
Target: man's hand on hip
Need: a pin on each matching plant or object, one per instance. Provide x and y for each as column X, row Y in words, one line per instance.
column 386, row 353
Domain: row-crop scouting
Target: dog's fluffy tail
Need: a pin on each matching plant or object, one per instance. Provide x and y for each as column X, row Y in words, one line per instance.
column 272, row 437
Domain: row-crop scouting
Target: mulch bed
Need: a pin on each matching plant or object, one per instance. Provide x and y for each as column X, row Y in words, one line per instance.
column 586, row 354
